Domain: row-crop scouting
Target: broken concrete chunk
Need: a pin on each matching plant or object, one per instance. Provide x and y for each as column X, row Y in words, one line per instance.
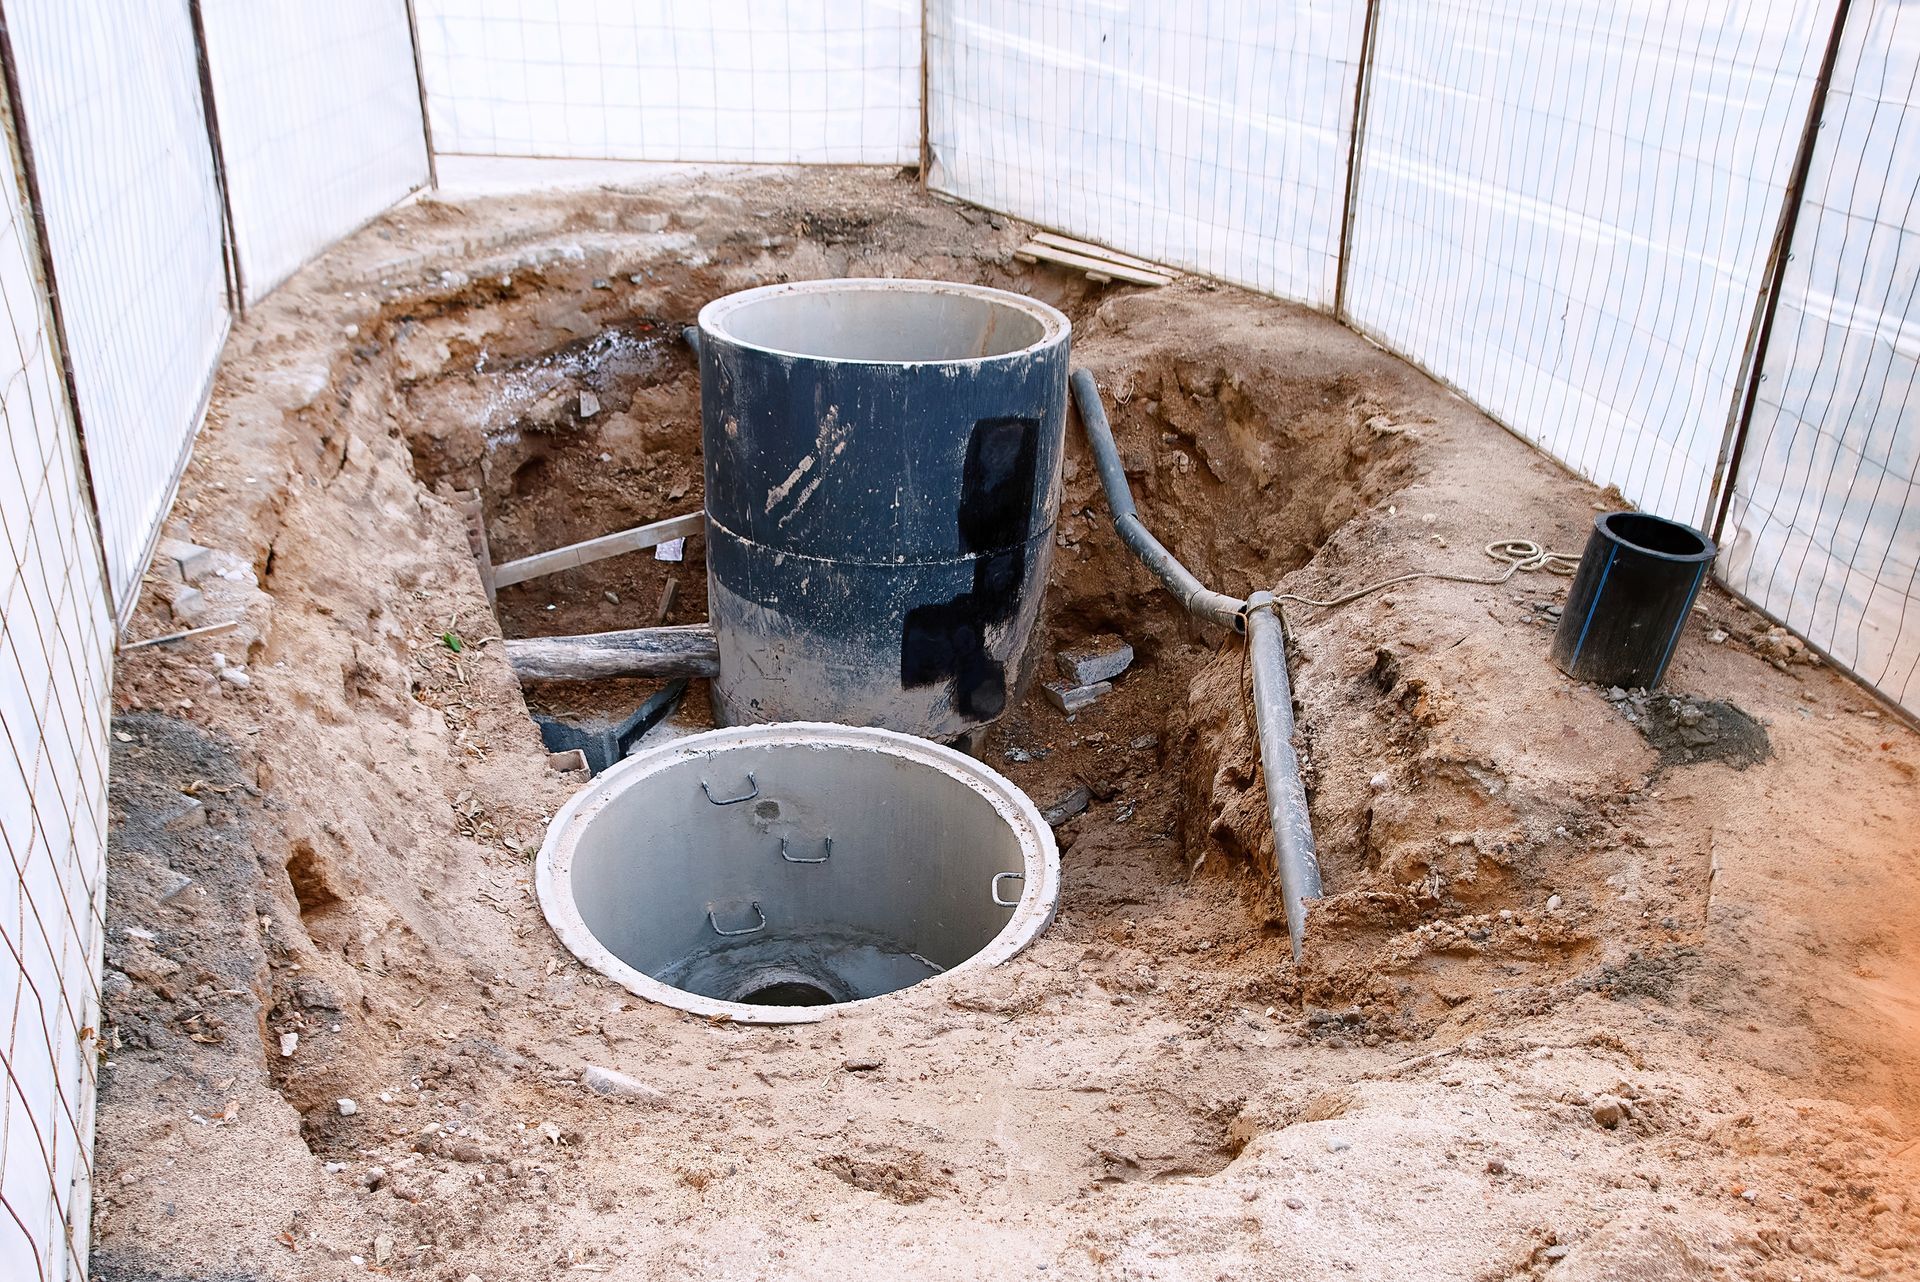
column 1075, row 802
column 589, row 405
column 1071, row 698
column 195, row 562
column 1100, row 659
column 189, row 607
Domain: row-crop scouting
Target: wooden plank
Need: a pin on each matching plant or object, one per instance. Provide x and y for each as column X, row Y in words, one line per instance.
column 474, row 510
column 575, row 554
column 1092, row 250
column 685, row 651
column 1133, row 276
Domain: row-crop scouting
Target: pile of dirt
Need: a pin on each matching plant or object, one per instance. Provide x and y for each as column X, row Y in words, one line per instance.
column 1572, row 1005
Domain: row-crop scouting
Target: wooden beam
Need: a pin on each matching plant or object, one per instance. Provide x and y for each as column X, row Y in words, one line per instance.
column 685, row 651
column 1092, row 250
column 576, row 554
column 1091, row 266
column 474, row 510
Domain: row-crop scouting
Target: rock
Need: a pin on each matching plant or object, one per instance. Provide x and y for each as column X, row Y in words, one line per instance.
column 1296, row 1204
column 1335, row 1144
column 382, row 1249
column 289, row 1043
column 1071, row 698
column 236, row 677
column 1101, row 658
column 1496, row 1167
column 347, row 1107
column 589, row 405
column 1075, row 802
column 1380, row 782
column 614, row 1085
column 1144, row 742
column 1610, row 1110
column 1553, row 903
column 862, row 1063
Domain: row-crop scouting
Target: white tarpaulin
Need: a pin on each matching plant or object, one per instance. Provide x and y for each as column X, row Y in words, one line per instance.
column 1212, row 136
column 1824, row 529
column 111, row 94
column 320, row 127
column 56, row 643
column 776, row 81
column 1564, row 210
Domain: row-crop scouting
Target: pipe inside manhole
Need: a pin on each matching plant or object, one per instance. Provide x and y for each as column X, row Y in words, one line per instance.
column 777, row 873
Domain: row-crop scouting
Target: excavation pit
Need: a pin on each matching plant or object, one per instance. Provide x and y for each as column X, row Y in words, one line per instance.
column 773, row 874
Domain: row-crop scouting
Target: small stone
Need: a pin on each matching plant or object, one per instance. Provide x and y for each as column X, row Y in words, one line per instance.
column 347, row 1107
column 1145, row 742
column 236, row 677
column 1296, row 1204
column 382, row 1249
column 1071, row 698
column 289, row 1043
column 1075, row 802
column 1615, row 694
column 1609, row 1111
column 1018, row 754
column 1553, row 903
column 589, row 405
column 862, row 1063
column 1496, row 1167
column 1555, row 610
column 1335, row 1144
column 1558, row 1251
column 335, row 1168
column 614, row 1085
column 1380, row 782
column 613, row 598
column 1099, row 659
column 1750, row 1196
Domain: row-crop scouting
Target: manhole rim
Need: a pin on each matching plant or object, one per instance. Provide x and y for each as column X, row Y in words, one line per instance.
column 553, row 868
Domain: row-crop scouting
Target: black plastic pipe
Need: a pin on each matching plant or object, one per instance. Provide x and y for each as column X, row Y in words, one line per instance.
column 1629, row 599
column 1296, row 861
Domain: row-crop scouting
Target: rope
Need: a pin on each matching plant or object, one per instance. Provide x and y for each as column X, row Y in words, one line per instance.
column 1515, row 554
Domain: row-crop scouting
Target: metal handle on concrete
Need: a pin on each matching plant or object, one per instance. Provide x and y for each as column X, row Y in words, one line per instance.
column 795, row 859
column 711, row 921
column 995, row 890
column 732, row 801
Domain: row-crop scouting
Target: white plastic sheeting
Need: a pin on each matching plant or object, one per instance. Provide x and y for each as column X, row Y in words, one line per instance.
column 320, row 127
column 1210, row 135
column 56, row 641
column 1824, row 528
column 1564, row 210
column 716, row 80
column 111, row 94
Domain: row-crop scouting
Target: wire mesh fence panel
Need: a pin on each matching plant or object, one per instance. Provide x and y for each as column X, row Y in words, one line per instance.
column 1823, row 529
column 776, row 81
column 1212, row 136
column 111, row 95
column 56, row 637
column 1565, row 210
column 319, row 119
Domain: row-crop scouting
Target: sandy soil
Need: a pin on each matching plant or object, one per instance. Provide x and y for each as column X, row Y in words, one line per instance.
column 1575, row 1007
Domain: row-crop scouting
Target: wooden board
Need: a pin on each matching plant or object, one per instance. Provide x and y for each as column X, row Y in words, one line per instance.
column 685, row 651
column 1092, row 250
column 1098, row 268
column 566, row 558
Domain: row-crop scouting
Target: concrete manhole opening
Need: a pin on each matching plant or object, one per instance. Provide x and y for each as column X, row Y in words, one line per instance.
column 774, row 873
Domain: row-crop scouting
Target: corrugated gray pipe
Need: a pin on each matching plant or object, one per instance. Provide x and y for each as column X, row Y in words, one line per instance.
column 1258, row 617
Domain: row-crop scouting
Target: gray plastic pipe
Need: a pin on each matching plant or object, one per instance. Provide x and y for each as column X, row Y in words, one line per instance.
column 1295, row 858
